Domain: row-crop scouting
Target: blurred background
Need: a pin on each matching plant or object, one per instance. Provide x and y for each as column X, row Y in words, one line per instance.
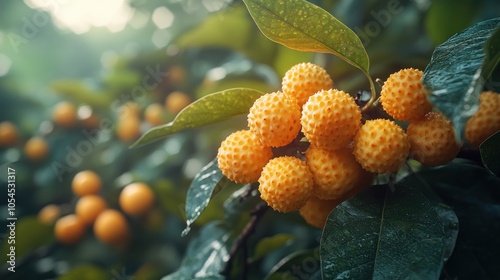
column 82, row 80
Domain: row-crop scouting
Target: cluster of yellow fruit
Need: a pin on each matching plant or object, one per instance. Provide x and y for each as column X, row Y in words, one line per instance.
column 343, row 154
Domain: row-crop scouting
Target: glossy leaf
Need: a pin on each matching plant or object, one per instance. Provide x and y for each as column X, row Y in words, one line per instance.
column 302, row 264
column 492, row 53
column 490, row 153
column 379, row 234
column 455, row 78
column 268, row 244
column 212, row 108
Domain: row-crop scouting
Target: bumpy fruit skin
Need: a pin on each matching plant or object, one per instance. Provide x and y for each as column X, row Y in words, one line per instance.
column 69, row 229
column 381, row 146
column 486, row 121
column 242, row 156
column 275, row 119
column 36, row 149
column 330, row 119
column 286, row 183
column 85, row 183
column 403, row 96
column 316, row 211
column 304, row 80
column 89, row 207
column 335, row 172
column 432, row 140
column 8, row 134
column 64, row 114
column 136, row 199
column 111, row 227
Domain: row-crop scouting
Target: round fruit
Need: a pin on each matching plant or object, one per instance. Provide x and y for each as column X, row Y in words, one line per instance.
column 136, row 199
column 89, row 207
column 486, row 121
column 49, row 214
column 286, row 183
column 129, row 110
column 432, row 140
column 64, row 114
column 8, row 134
column 176, row 101
column 36, row 149
column 316, row 211
column 403, row 96
column 69, row 229
column 381, row 146
column 128, row 129
column 177, row 75
column 335, row 172
column 242, row 156
column 153, row 114
column 304, row 80
column 85, row 183
column 330, row 119
column 275, row 119
column 111, row 227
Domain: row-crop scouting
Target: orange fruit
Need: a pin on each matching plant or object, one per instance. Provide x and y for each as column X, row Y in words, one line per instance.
column 8, row 134
column 86, row 182
column 136, row 199
column 89, row 207
column 36, row 149
column 69, row 229
column 111, row 227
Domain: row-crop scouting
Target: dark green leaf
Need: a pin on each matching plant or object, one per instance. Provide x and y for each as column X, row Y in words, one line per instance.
column 380, row 234
column 268, row 244
column 299, row 265
column 205, row 185
column 490, row 153
column 85, row 272
column 211, row 108
column 454, row 77
column 492, row 53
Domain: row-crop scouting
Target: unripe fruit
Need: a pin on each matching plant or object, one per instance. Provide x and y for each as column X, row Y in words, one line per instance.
column 8, row 134
column 128, row 129
column 275, row 119
column 89, row 207
column 286, row 183
column 85, row 183
column 64, row 114
column 304, row 80
column 176, row 101
column 111, row 227
column 316, row 211
column 381, row 146
column 153, row 114
column 69, row 229
column 136, row 199
column 36, row 149
column 242, row 156
column 330, row 119
column 49, row 214
column 432, row 140
column 335, row 172
column 486, row 121
column 403, row 95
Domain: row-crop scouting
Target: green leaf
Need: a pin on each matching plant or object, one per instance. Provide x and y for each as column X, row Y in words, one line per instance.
column 490, row 153
column 268, row 244
column 379, row 234
column 455, row 77
column 303, row 26
column 212, row 108
column 80, row 92
column 492, row 53
column 85, row 272
column 205, row 185
column 302, row 264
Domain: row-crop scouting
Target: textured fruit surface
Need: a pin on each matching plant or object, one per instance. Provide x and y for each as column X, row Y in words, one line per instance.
column 111, row 227
column 486, row 121
column 286, row 183
column 176, row 101
column 403, row 96
column 49, row 214
column 64, row 114
column 86, row 182
column 432, row 140
column 89, row 207
column 275, row 119
column 330, row 119
column 304, row 80
column 128, row 128
column 335, row 172
column 136, row 199
column 36, row 149
column 381, row 146
column 316, row 211
column 153, row 114
column 8, row 134
column 69, row 229
column 242, row 156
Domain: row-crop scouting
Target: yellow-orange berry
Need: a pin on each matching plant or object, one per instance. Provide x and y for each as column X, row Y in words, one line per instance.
column 69, row 229
column 176, row 101
column 432, row 140
column 304, row 80
column 64, row 114
column 275, row 119
column 316, row 211
column 403, row 96
column 286, row 183
column 8, row 134
column 177, row 74
column 111, row 227
column 335, row 172
column 153, row 114
column 242, row 156
column 486, row 121
column 36, row 149
column 49, row 214
column 330, row 119
column 128, row 129
column 381, row 146
column 136, row 199
column 89, row 207
column 85, row 183
column 129, row 109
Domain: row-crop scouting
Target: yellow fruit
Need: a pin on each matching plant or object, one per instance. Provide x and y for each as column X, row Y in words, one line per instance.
column 432, row 140
column 176, row 101
column 129, row 110
column 316, row 211
column 85, row 183
column 403, row 95
column 335, row 172
column 242, row 156
column 153, row 114
column 381, row 146
column 136, row 199
column 69, row 229
column 49, row 214
column 330, row 119
column 486, row 121
column 304, row 80
column 36, row 149
column 89, row 207
column 111, row 227
column 8, row 134
column 128, row 129
column 177, row 75
column 286, row 183
column 64, row 114
column 275, row 119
